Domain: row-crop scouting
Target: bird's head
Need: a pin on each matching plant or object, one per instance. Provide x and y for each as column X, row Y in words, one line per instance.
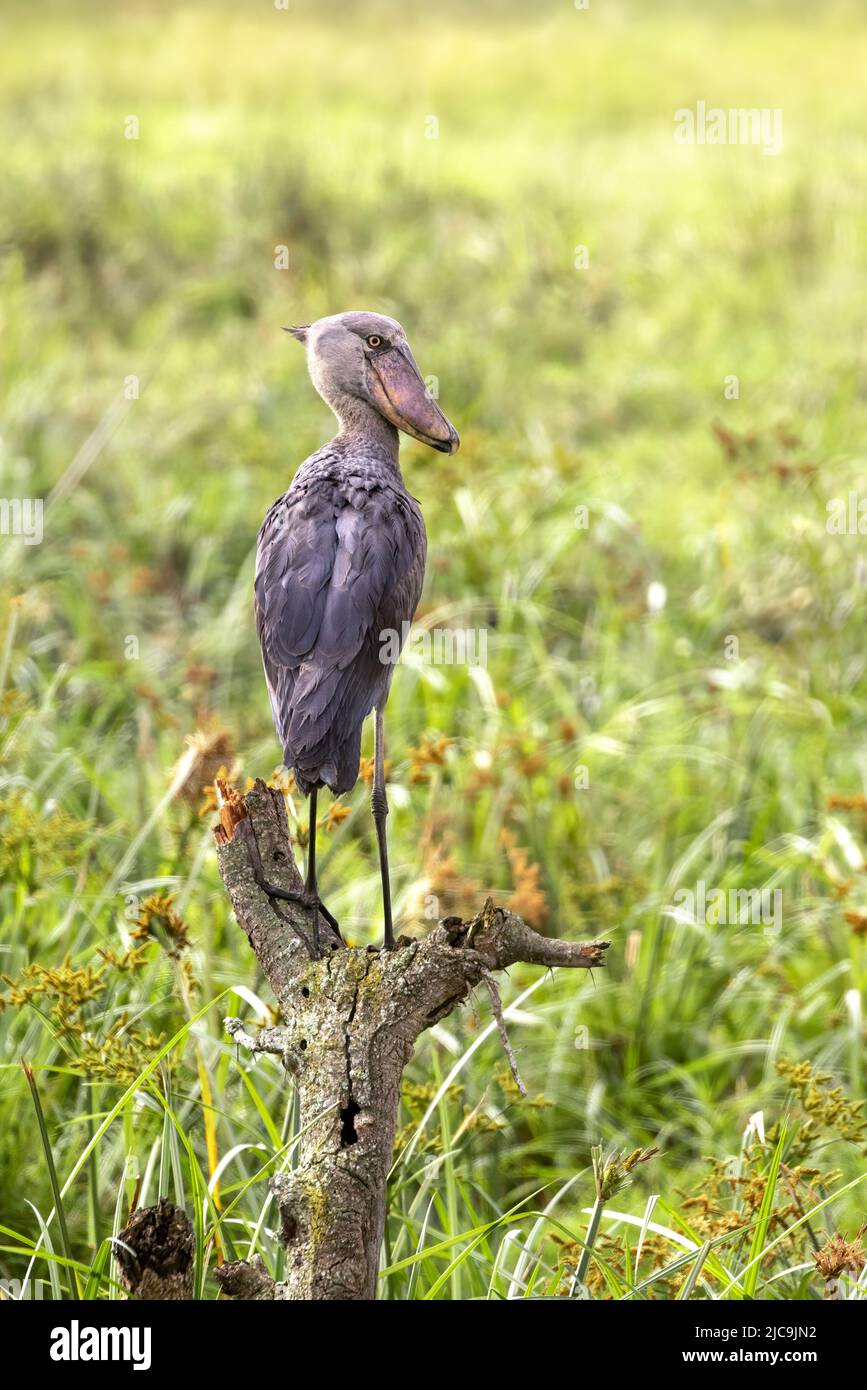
column 362, row 356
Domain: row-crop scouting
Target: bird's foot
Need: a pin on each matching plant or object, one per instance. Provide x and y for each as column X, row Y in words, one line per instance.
column 302, row 897
column 391, row 945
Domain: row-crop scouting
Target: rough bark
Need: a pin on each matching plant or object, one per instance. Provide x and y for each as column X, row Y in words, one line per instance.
column 155, row 1253
column 351, row 1018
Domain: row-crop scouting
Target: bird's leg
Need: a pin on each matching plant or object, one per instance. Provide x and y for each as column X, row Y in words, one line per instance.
column 286, row 895
column 310, row 885
column 379, row 806
column 310, row 896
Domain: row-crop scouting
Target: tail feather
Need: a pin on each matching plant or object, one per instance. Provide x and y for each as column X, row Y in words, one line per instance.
column 336, row 769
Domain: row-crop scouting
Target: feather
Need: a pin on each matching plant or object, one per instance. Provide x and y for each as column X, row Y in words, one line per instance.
column 339, row 562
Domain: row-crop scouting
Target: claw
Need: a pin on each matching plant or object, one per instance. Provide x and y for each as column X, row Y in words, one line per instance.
column 304, row 899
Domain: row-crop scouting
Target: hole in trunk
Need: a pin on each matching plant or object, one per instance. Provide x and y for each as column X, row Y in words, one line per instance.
column 347, row 1120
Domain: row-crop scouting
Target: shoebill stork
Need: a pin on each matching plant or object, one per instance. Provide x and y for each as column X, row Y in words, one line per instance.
column 339, row 569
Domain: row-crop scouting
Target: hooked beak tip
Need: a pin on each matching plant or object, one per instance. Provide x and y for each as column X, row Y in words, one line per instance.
column 450, row 445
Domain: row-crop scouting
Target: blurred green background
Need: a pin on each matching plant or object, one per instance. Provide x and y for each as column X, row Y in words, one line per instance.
column 149, row 396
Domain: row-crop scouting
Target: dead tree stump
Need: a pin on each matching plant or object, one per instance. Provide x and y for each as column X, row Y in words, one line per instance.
column 155, row 1253
column 351, row 1018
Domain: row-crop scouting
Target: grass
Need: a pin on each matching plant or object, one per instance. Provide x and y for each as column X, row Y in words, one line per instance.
column 618, row 746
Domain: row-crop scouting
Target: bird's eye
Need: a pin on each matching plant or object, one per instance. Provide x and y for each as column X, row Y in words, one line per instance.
column 374, row 340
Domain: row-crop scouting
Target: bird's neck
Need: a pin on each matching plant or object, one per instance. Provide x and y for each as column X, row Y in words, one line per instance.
column 363, row 427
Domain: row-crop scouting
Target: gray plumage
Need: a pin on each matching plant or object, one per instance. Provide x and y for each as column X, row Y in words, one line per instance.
column 340, row 557
column 340, row 562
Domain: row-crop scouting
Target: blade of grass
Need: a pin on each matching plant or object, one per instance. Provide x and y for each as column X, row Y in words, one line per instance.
column 118, row 1221
column 130, row 1091
column 53, row 1271
column 751, row 1277
column 52, row 1171
column 820, row 1206
column 97, row 1270
column 689, row 1283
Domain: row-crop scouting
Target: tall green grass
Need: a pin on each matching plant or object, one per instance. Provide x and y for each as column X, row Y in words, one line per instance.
column 601, row 388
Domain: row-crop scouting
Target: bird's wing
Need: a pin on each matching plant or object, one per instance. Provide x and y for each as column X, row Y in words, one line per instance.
column 338, row 561
column 295, row 555
column 328, row 560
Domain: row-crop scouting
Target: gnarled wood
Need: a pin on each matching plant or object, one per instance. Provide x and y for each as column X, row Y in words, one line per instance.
column 351, row 1018
column 154, row 1253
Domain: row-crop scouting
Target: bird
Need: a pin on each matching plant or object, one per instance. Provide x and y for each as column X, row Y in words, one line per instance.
column 340, row 561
